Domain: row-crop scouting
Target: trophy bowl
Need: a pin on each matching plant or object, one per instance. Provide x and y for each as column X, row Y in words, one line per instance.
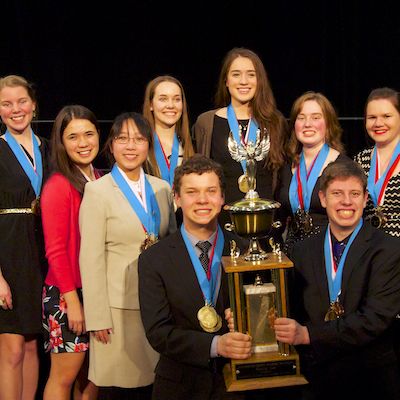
column 252, row 218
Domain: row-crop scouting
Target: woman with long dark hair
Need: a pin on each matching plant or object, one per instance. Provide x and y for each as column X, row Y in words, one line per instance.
column 75, row 144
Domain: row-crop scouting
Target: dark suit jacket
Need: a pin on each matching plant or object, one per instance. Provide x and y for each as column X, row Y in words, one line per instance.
column 370, row 295
column 170, row 297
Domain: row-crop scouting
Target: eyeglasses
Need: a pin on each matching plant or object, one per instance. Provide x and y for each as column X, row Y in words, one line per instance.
column 124, row 139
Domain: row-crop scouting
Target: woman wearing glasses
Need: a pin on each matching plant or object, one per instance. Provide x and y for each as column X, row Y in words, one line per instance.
column 121, row 215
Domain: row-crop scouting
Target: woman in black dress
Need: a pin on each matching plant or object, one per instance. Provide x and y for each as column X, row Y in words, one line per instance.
column 23, row 170
column 245, row 103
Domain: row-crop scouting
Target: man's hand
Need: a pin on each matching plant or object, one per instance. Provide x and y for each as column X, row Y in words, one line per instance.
column 229, row 319
column 289, row 331
column 234, row 345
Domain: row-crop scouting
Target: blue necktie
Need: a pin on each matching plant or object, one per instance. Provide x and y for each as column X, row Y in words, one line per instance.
column 338, row 249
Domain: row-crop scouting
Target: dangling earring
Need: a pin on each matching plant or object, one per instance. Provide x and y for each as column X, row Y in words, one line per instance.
column 34, row 114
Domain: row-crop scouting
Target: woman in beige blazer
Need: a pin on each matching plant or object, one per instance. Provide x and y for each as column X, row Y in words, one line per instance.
column 121, row 215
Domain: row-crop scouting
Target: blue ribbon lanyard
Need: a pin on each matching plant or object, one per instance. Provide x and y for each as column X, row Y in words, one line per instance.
column 335, row 283
column 374, row 189
column 308, row 181
column 167, row 169
column 210, row 288
column 35, row 175
column 234, row 127
column 150, row 219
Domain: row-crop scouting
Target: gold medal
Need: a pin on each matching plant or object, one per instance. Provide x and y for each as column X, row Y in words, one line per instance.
column 307, row 223
column 302, row 222
column 379, row 219
column 298, row 221
column 335, row 311
column 148, row 241
column 243, row 182
column 209, row 320
column 35, row 206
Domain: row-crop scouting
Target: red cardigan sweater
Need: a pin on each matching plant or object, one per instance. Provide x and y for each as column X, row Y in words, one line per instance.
column 60, row 203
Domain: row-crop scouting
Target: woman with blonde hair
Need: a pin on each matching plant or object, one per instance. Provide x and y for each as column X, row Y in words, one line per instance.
column 165, row 108
column 23, row 171
column 315, row 141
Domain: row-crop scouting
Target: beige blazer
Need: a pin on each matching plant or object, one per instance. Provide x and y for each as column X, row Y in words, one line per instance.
column 111, row 235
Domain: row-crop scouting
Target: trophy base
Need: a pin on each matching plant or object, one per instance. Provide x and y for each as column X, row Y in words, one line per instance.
column 262, row 371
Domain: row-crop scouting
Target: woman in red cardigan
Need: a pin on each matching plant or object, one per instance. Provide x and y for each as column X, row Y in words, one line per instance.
column 74, row 144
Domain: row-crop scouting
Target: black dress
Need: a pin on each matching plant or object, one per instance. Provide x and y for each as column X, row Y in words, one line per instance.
column 233, row 169
column 285, row 215
column 22, row 260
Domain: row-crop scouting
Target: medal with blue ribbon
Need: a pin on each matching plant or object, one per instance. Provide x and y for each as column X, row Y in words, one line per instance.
column 151, row 219
column 167, row 168
column 34, row 173
column 335, row 277
column 377, row 184
column 235, row 129
column 301, row 188
column 209, row 283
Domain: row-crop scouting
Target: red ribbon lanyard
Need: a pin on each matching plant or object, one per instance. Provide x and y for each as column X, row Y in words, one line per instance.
column 299, row 188
column 387, row 177
column 299, row 184
column 165, row 157
column 212, row 256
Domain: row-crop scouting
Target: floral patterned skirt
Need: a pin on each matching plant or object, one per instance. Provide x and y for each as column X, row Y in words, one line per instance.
column 59, row 338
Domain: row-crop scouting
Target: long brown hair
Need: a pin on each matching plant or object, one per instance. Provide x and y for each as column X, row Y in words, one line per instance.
column 182, row 125
column 263, row 106
column 59, row 157
column 333, row 128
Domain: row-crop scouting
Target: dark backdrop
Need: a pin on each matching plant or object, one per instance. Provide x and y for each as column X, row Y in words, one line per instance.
column 102, row 56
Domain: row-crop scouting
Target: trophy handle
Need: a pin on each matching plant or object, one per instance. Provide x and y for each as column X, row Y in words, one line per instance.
column 229, row 227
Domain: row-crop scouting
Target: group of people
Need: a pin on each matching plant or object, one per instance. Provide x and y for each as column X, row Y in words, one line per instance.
column 119, row 268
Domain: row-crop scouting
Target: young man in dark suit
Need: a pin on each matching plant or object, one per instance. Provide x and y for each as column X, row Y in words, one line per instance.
column 183, row 291
column 345, row 297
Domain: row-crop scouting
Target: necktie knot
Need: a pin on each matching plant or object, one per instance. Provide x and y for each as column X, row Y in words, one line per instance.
column 204, row 246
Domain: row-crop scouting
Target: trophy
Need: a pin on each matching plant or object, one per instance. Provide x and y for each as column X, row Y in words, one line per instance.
column 257, row 283
column 251, row 216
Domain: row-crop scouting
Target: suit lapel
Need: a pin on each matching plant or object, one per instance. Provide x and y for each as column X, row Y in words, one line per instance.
column 359, row 246
column 189, row 278
column 189, row 281
column 319, row 267
column 126, row 201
